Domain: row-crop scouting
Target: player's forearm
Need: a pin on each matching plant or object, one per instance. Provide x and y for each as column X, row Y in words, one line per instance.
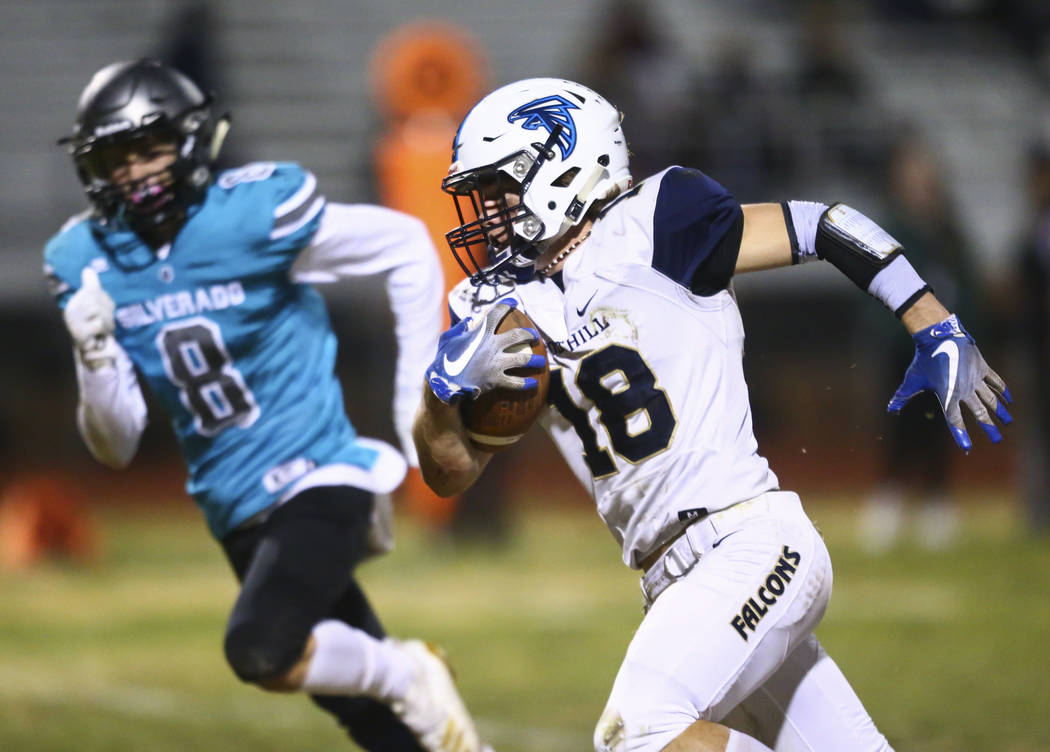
column 416, row 328
column 416, row 294
column 361, row 240
column 848, row 240
column 111, row 413
column 112, row 448
column 924, row 313
column 448, row 462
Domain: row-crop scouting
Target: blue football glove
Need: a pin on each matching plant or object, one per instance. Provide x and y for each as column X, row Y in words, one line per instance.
column 948, row 363
column 472, row 358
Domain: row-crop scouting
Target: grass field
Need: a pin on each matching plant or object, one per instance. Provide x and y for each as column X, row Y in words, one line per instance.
column 949, row 651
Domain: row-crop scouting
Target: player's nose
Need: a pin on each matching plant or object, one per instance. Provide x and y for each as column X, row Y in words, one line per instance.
column 137, row 170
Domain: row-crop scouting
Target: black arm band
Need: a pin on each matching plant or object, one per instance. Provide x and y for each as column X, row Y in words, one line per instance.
column 849, row 254
column 868, row 256
column 910, row 300
column 789, row 222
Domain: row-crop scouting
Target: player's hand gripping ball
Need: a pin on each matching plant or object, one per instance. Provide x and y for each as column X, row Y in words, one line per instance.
column 497, row 418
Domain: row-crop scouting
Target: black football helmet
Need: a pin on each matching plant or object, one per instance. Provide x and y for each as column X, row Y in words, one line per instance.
column 144, row 99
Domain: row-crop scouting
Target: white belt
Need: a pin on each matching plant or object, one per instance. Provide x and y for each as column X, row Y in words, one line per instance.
column 703, row 535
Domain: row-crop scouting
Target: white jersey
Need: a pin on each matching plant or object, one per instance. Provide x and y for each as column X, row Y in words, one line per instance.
column 647, row 401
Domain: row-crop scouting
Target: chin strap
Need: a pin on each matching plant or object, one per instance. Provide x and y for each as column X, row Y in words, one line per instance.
column 544, row 153
column 222, row 127
column 572, row 214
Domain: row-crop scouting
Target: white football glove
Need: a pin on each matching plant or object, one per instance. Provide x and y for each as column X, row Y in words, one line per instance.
column 89, row 319
column 482, row 357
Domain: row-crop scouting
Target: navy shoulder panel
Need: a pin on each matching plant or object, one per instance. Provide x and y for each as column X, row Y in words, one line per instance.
column 695, row 221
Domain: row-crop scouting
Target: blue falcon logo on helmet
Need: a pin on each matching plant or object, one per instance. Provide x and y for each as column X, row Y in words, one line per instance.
column 547, row 113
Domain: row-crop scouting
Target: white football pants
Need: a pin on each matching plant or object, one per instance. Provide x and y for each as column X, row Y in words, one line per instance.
column 732, row 642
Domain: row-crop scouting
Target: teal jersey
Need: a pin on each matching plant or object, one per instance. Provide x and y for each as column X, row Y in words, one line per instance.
column 241, row 357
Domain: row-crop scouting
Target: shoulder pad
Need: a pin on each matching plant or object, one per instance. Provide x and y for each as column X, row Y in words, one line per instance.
column 67, row 253
column 72, row 241
column 618, row 201
column 249, row 173
column 278, row 180
column 75, row 220
column 283, row 195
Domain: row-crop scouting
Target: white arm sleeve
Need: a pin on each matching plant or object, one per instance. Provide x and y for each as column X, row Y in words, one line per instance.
column 111, row 414
column 363, row 240
column 804, row 216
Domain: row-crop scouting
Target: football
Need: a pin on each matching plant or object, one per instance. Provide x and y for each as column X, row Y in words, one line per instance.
column 498, row 418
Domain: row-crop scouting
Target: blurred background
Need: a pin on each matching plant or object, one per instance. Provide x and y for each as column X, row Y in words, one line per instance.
column 932, row 116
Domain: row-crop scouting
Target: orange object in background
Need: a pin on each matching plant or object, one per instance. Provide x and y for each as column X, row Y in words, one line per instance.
column 42, row 517
column 425, row 77
column 411, row 159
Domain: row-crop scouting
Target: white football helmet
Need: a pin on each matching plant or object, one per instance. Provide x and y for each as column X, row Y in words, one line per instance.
column 554, row 143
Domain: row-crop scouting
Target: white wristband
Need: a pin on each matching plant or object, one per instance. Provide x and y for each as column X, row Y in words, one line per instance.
column 803, row 218
column 897, row 285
